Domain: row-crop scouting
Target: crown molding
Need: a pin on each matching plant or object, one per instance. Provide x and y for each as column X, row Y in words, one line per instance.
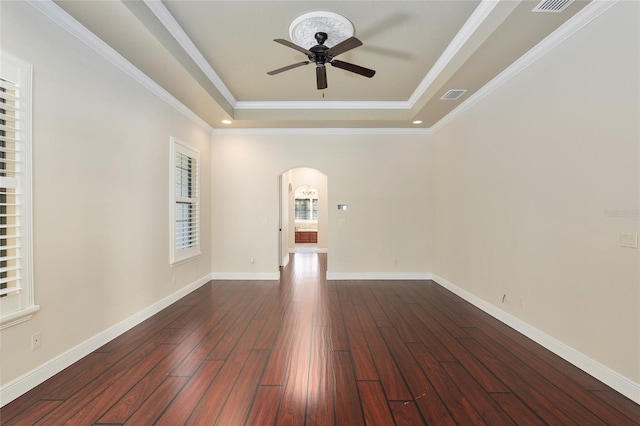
column 323, row 105
column 324, row 131
column 478, row 16
column 590, row 12
column 68, row 23
column 166, row 18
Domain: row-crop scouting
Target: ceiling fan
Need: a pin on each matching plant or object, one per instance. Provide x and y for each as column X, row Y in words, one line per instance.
column 322, row 55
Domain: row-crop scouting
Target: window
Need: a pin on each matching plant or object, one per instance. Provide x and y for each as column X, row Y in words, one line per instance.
column 185, row 201
column 306, row 209
column 16, row 283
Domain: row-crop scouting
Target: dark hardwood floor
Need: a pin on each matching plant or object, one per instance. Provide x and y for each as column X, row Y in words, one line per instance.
column 307, row 351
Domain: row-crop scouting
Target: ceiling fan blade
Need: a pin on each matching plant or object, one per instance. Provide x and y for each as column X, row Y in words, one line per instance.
column 321, row 77
column 288, row 67
column 294, row 46
column 354, row 68
column 343, row 46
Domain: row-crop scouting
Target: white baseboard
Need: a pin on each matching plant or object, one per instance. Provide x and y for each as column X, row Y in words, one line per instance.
column 33, row 378
column 620, row 383
column 263, row 276
column 378, row 276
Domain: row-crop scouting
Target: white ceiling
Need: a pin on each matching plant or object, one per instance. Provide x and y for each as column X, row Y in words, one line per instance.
column 213, row 56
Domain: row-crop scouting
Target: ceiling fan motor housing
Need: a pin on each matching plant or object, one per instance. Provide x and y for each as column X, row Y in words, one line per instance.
column 319, row 51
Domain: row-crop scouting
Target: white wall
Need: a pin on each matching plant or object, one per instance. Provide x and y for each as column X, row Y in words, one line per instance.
column 383, row 178
column 523, row 183
column 100, row 192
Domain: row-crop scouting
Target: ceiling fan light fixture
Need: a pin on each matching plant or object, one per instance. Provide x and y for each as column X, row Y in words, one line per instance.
column 303, row 29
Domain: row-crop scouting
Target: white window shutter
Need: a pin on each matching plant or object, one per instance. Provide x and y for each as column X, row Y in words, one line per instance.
column 185, row 201
column 16, row 282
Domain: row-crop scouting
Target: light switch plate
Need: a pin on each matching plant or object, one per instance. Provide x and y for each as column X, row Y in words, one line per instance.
column 629, row 239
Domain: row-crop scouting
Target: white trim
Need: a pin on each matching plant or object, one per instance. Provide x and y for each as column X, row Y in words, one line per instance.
column 378, row 275
column 325, row 131
column 166, row 18
column 601, row 372
column 322, row 105
column 553, row 40
column 18, row 317
column 262, row 276
column 67, row 22
column 478, row 16
column 33, row 378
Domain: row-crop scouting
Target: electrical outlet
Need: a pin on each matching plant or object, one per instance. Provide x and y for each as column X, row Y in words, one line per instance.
column 36, row 340
column 251, row 260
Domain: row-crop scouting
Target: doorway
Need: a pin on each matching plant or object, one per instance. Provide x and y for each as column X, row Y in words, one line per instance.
column 303, row 212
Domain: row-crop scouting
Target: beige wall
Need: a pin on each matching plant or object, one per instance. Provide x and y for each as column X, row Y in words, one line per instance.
column 100, row 192
column 383, row 178
column 524, row 181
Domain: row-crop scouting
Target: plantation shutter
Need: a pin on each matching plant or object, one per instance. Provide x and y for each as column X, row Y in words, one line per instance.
column 185, row 214
column 186, row 201
column 16, row 293
column 9, row 190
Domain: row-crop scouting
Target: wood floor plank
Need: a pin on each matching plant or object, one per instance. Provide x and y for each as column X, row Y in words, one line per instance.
column 303, row 350
column 520, row 413
column 479, row 371
column 374, row 404
column 377, row 313
column 216, row 395
column 406, row 413
column 482, row 400
column 346, row 399
column 100, row 402
column 392, row 381
column 236, row 408
column 569, row 403
column 552, row 372
column 126, row 406
column 461, row 408
column 393, row 306
column 265, row 407
column 621, row 404
column 277, row 365
column 38, row 410
column 364, row 366
column 535, row 399
column 182, row 406
column 339, row 338
column 273, row 319
column 423, row 391
column 320, row 390
column 205, row 344
column 111, row 377
column 230, row 338
column 153, row 407
column 296, row 376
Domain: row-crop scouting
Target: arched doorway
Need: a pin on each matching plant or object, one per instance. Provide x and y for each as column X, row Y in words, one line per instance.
column 313, row 216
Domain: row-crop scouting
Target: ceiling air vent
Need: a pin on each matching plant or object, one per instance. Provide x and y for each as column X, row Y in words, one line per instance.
column 453, row 94
column 552, row 5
